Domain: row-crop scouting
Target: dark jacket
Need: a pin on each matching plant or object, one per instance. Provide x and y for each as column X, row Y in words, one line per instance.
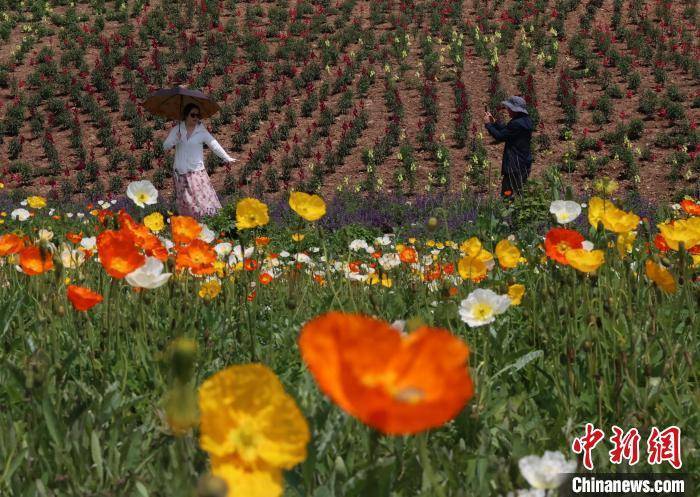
column 517, row 157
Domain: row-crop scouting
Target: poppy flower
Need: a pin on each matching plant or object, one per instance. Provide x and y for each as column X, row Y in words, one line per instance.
column 265, row 278
column 250, row 264
column 118, row 254
column 262, row 241
column 251, row 213
column 508, row 254
column 660, row 243
column 142, row 236
column 472, row 268
column 612, row 218
column 251, row 428
column 82, row 298
column 74, row 237
column 198, row 256
column 661, row 276
column 10, row 244
column 185, row 229
column 34, row 260
column 685, row 231
column 692, row 208
column 559, row 240
column 586, row 261
column 409, row 255
column 309, row 207
column 515, row 293
column 397, row 384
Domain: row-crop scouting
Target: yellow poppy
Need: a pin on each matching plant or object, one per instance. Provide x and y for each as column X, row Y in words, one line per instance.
column 251, row 428
column 508, row 254
column 661, row 276
column 625, row 242
column 154, row 222
column 36, row 202
column 584, row 260
column 310, row 207
column 516, row 292
column 472, row 268
column 251, row 213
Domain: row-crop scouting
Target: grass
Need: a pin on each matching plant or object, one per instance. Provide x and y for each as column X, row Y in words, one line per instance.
column 81, row 396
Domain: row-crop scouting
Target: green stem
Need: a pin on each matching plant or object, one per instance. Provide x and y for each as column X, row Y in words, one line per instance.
column 427, row 466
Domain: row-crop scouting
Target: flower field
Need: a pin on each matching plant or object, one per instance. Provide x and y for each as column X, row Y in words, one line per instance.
column 147, row 354
column 369, row 96
column 363, row 318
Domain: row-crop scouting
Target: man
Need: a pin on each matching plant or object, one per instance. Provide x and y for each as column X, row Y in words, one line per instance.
column 517, row 134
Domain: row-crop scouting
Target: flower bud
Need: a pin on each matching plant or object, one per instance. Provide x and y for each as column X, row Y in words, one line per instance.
column 183, row 352
column 211, row 486
column 432, row 224
column 181, row 409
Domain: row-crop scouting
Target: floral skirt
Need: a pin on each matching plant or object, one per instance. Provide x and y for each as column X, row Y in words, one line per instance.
column 195, row 196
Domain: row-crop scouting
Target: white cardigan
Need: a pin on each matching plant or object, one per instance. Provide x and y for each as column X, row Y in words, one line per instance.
column 189, row 152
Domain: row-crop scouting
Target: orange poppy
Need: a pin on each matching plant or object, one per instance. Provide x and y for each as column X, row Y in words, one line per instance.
column 10, row 244
column 118, row 254
column 319, row 279
column 559, row 240
column 692, row 208
column 433, row 273
column 409, row 255
column 376, row 255
column 354, row 266
column 83, row 298
column 250, row 264
column 185, row 229
column 103, row 214
column 74, row 237
column 198, row 256
column 33, row 260
column 452, row 291
column 660, row 243
column 398, row 384
column 262, row 241
column 448, row 268
column 265, row 278
column 143, row 237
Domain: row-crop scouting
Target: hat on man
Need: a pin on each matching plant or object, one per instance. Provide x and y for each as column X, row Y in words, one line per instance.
column 516, row 104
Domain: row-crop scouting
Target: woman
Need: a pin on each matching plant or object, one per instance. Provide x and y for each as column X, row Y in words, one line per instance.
column 517, row 135
column 194, row 193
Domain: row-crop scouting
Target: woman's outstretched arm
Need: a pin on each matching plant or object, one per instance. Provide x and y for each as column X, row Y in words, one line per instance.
column 172, row 139
column 216, row 147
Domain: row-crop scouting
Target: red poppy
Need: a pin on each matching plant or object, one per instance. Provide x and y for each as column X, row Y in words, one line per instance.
column 660, row 243
column 83, row 298
column 692, row 208
column 559, row 240
column 250, row 264
column 354, row 266
column 398, row 384
column 74, row 237
column 265, row 278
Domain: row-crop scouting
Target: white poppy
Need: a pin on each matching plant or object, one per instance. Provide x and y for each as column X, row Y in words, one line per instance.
column 531, row 492
column 20, row 214
column 357, row 245
column 238, row 255
column 206, row 235
column 482, row 306
column 389, row 261
column 223, row 249
column 565, row 210
column 548, row 471
column 587, row 246
column 150, row 275
column 88, row 242
column 383, row 240
column 167, row 242
column 142, row 193
column 71, row 258
column 45, row 235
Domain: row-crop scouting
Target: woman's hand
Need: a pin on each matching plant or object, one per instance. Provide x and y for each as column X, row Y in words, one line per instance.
column 232, row 161
column 488, row 117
